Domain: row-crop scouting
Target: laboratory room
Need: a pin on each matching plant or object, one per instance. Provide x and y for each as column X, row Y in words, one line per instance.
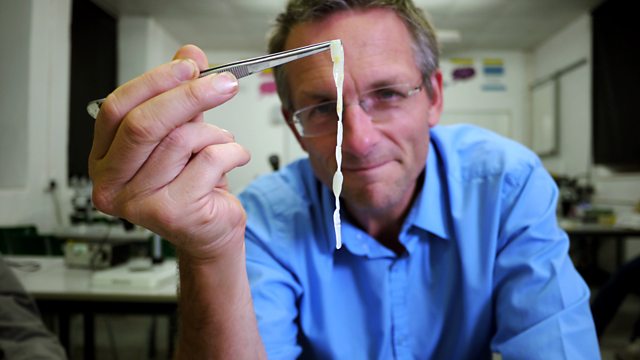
column 319, row 179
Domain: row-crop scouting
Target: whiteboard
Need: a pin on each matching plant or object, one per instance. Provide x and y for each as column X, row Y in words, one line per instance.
column 544, row 118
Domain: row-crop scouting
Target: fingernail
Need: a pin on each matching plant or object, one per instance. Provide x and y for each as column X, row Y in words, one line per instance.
column 228, row 132
column 185, row 69
column 225, row 83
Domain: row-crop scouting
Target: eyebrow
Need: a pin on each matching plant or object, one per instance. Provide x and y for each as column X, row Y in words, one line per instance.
column 315, row 95
column 388, row 82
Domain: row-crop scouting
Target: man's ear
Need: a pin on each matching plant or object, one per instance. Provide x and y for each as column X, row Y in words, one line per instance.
column 435, row 100
column 288, row 118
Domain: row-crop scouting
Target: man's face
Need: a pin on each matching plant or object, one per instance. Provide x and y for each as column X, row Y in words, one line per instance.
column 381, row 159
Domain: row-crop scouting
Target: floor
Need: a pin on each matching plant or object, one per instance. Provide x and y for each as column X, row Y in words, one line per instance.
column 127, row 337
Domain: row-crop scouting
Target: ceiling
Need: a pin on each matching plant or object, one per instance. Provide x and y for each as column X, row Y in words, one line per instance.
column 243, row 24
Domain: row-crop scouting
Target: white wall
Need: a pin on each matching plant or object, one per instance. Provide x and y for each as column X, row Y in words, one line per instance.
column 504, row 111
column 567, row 47
column 574, row 158
column 614, row 190
column 15, row 22
column 142, row 45
column 35, row 60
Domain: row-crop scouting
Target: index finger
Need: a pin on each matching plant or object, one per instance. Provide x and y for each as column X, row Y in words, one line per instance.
column 148, row 124
column 196, row 54
column 134, row 92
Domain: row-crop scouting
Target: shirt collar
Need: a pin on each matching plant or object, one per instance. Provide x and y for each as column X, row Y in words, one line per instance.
column 427, row 212
column 354, row 239
column 429, row 208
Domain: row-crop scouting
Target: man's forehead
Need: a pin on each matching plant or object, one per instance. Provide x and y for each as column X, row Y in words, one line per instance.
column 377, row 50
column 360, row 25
column 320, row 79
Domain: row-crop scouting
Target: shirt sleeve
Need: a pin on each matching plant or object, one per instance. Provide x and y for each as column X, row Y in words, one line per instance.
column 23, row 335
column 540, row 301
column 274, row 300
column 274, row 287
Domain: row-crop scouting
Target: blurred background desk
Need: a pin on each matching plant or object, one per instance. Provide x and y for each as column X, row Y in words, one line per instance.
column 66, row 291
column 100, row 245
column 586, row 241
column 101, row 232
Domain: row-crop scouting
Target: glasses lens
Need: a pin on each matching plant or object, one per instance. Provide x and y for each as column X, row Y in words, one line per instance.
column 317, row 120
column 380, row 101
column 380, row 104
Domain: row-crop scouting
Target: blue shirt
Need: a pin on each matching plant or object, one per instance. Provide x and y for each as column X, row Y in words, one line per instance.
column 486, row 267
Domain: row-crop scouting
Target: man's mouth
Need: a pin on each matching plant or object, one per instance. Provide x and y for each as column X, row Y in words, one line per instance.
column 362, row 167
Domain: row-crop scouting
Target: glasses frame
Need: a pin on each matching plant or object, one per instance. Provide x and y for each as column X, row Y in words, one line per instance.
column 296, row 124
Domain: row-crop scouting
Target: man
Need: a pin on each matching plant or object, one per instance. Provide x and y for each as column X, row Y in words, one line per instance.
column 451, row 249
column 23, row 335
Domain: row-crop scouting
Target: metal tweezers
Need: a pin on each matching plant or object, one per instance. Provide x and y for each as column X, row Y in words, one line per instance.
column 246, row 67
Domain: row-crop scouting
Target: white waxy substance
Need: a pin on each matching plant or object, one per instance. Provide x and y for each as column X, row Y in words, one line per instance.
column 337, row 56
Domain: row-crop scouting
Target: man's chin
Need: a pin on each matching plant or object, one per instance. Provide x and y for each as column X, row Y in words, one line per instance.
column 368, row 197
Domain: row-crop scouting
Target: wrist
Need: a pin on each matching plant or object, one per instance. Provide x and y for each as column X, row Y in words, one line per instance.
column 231, row 246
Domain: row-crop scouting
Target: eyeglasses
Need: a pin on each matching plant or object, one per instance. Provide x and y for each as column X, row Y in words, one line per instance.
column 380, row 104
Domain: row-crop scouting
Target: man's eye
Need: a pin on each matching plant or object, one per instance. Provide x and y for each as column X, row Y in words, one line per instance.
column 323, row 110
column 387, row 95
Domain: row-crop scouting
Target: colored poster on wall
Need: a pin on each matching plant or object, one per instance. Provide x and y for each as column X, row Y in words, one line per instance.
column 463, row 69
column 267, row 83
column 493, row 74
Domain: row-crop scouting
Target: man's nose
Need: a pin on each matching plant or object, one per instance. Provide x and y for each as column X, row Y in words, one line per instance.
column 360, row 133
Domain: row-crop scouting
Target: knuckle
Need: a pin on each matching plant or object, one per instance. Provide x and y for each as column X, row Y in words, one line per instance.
column 103, row 199
column 110, row 110
column 229, row 155
column 130, row 211
column 194, row 94
column 176, row 139
column 164, row 76
column 138, row 131
column 243, row 154
column 238, row 149
column 152, row 80
column 231, row 206
column 210, row 154
column 169, row 218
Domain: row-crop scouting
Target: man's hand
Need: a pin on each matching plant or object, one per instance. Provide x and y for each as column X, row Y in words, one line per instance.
column 156, row 163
